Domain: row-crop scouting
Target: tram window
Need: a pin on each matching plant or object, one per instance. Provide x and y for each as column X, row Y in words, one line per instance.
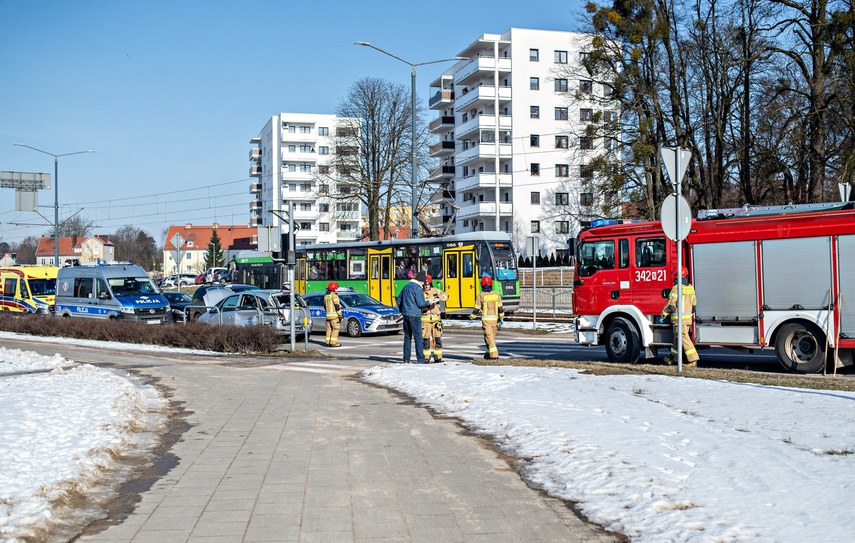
column 468, row 268
column 485, row 264
column 451, row 265
column 387, row 263
column 375, row 268
column 434, row 268
column 401, row 270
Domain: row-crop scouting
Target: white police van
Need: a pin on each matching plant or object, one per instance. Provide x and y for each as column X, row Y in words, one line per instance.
column 110, row 291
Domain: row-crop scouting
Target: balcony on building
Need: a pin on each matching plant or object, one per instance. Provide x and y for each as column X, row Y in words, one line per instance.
column 441, row 172
column 255, row 188
column 482, row 95
column 255, row 154
column 255, row 171
column 254, row 222
column 486, row 209
column 478, row 68
column 484, row 180
column 443, row 92
column 442, row 124
column 299, row 156
column 441, row 149
column 483, row 121
column 485, row 151
column 255, row 206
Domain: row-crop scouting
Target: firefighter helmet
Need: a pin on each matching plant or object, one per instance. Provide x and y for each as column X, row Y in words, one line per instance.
column 428, row 279
column 333, row 286
column 683, row 271
column 486, row 281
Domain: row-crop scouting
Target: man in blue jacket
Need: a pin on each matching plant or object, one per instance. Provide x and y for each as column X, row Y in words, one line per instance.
column 410, row 302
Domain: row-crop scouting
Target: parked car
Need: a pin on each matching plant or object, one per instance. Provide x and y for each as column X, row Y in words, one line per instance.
column 362, row 314
column 223, row 276
column 178, row 301
column 211, row 274
column 251, row 307
column 183, row 280
column 200, row 279
column 198, row 307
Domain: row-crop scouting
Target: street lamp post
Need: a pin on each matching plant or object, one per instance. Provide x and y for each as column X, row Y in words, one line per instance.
column 55, row 194
column 413, row 160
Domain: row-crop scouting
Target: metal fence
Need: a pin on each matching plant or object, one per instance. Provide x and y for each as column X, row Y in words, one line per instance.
column 557, row 300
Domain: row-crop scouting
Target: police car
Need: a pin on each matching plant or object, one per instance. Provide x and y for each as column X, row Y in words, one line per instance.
column 362, row 314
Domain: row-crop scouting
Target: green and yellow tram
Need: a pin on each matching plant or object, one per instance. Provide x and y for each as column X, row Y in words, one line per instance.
column 382, row 268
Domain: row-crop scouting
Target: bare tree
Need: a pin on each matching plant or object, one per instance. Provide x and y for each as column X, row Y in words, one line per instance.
column 136, row 245
column 373, row 158
column 26, row 250
column 76, row 225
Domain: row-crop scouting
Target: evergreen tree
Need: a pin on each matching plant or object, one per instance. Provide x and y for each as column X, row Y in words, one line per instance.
column 214, row 254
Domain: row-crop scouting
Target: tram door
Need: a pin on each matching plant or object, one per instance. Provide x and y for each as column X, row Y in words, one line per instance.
column 459, row 279
column 381, row 276
column 300, row 275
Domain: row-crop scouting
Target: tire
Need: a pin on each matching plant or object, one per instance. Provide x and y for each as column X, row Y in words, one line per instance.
column 800, row 347
column 622, row 342
column 353, row 328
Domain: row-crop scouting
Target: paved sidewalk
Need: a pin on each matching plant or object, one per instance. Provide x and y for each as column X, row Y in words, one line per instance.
column 287, row 453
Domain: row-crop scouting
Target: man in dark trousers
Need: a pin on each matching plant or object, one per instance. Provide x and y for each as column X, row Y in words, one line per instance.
column 411, row 301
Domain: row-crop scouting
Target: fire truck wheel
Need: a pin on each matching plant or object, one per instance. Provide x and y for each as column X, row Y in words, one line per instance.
column 622, row 342
column 800, row 347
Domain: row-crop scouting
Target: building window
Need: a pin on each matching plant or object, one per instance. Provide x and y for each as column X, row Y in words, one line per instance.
column 324, row 189
column 306, row 168
column 562, row 170
column 292, row 187
column 608, row 90
column 343, row 190
column 586, row 171
column 323, row 208
column 305, row 206
column 292, row 148
column 324, row 169
column 562, row 198
column 586, row 199
column 292, row 129
column 586, row 143
column 534, row 140
column 305, row 187
column 561, row 85
column 324, row 227
column 586, row 114
column 535, row 168
column 323, row 150
column 306, row 148
column 535, row 198
column 323, row 131
column 561, row 114
column 586, row 85
column 562, row 142
column 534, row 55
column 305, row 226
column 535, row 112
column 610, row 116
column 560, row 57
column 292, row 167
column 584, row 56
column 305, row 129
column 345, row 227
column 535, row 227
column 534, row 83
column 562, row 227
column 609, row 144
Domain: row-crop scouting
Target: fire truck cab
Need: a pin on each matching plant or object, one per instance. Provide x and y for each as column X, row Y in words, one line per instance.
column 778, row 277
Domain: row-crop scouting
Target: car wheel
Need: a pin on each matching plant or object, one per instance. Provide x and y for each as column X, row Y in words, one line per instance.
column 622, row 342
column 353, row 328
column 800, row 347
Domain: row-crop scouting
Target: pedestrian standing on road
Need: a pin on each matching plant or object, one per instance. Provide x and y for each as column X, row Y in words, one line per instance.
column 488, row 305
column 411, row 301
column 332, row 306
column 432, row 322
column 684, row 324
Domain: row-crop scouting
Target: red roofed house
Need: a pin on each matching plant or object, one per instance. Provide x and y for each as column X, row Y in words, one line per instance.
column 91, row 249
column 196, row 239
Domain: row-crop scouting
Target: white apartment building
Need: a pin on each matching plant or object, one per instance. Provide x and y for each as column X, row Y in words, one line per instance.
column 293, row 160
column 529, row 178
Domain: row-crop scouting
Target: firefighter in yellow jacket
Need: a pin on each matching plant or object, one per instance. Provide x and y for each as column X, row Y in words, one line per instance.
column 488, row 305
column 332, row 306
column 432, row 322
column 682, row 326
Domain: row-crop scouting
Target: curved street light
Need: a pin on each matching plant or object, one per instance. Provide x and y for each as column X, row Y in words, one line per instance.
column 414, row 164
column 55, row 194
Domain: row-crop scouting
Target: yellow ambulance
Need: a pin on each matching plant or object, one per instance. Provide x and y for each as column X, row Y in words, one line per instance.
column 28, row 289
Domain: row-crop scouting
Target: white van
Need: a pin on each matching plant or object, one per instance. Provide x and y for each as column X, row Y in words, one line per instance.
column 110, row 291
column 212, row 273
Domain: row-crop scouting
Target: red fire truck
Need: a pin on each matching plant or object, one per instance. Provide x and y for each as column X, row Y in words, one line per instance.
column 776, row 277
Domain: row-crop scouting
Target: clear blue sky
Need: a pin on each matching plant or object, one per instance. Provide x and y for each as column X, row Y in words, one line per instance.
column 169, row 92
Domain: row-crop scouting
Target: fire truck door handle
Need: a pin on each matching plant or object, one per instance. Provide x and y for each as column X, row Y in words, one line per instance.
column 666, row 292
column 578, row 283
column 615, row 294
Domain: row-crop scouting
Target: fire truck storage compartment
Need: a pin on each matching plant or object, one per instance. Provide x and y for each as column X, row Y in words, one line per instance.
column 846, row 273
column 796, row 274
column 725, row 280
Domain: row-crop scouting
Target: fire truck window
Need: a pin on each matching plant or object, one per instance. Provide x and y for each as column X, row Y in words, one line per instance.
column 624, row 253
column 650, row 252
column 595, row 256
